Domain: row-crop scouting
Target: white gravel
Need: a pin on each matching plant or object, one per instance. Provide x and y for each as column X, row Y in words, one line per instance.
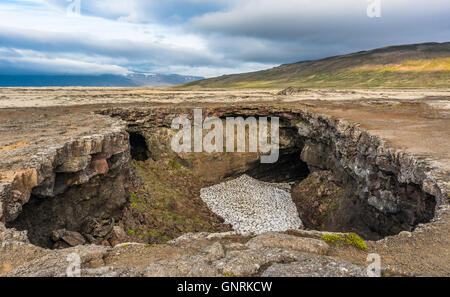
column 251, row 206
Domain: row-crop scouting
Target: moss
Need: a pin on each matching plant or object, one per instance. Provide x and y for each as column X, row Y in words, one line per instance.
column 346, row 239
column 174, row 164
column 356, row 241
column 162, row 199
column 229, row 274
column 165, row 238
column 332, row 238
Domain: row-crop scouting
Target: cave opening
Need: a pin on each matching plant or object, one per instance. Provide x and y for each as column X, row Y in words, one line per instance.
column 327, row 201
column 328, row 198
column 77, row 214
column 289, row 168
column 139, row 148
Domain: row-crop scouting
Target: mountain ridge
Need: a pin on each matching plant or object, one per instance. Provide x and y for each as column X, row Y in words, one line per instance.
column 393, row 66
column 134, row 79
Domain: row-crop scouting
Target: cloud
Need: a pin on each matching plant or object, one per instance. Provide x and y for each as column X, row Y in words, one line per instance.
column 204, row 37
column 143, row 11
column 30, row 62
column 93, row 39
column 309, row 29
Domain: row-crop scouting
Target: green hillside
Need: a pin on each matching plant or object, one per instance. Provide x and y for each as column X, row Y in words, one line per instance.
column 406, row 66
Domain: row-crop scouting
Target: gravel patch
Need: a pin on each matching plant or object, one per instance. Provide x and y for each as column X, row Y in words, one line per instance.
column 252, row 206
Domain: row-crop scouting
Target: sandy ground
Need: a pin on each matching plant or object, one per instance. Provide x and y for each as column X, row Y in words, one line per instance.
column 39, row 97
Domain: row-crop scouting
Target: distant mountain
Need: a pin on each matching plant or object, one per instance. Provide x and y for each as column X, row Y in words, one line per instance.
column 416, row 65
column 160, row 80
column 132, row 80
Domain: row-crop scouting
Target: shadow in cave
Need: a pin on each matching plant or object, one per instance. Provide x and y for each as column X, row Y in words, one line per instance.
column 139, row 149
column 288, row 168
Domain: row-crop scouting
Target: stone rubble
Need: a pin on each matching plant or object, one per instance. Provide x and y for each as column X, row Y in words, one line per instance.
column 252, row 206
column 194, row 255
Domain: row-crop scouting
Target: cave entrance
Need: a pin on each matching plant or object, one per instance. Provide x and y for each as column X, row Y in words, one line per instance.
column 139, row 149
column 328, row 196
column 289, row 168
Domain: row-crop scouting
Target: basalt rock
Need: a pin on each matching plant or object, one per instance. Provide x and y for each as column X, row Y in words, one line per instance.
column 151, row 136
column 321, row 203
column 64, row 238
column 61, row 186
column 195, row 255
column 102, row 197
column 385, row 190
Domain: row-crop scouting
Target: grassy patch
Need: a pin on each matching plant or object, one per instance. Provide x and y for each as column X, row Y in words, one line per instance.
column 418, row 73
column 174, row 164
column 166, row 204
column 346, row 239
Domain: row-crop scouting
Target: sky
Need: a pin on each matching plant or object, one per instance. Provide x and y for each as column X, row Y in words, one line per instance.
column 203, row 37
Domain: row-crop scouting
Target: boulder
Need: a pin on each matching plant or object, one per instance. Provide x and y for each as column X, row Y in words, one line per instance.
column 284, row 241
column 70, row 237
column 310, row 266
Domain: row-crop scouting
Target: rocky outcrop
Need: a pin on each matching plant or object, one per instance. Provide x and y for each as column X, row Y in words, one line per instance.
column 315, row 267
column 292, row 91
column 321, row 203
column 66, row 262
column 151, row 136
column 63, row 185
column 385, row 190
column 195, row 255
column 52, row 170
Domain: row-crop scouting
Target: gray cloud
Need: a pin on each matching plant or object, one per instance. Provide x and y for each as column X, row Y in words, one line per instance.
column 120, row 48
column 204, row 37
column 321, row 28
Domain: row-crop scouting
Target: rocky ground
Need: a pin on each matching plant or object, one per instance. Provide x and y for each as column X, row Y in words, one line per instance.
column 38, row 97
column 53, row 145
column 199, row 254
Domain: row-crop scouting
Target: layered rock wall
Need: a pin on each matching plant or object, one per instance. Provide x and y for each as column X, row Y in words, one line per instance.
column 63, row 185
column 387, row 190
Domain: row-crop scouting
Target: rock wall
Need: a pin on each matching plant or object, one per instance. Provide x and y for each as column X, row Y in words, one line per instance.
column 151, row 130
column 387, row 190
column 65, row 185
column 390, row 190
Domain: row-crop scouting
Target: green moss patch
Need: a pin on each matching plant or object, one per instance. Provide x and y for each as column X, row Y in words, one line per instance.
column 164, row 203
column 346, row 239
